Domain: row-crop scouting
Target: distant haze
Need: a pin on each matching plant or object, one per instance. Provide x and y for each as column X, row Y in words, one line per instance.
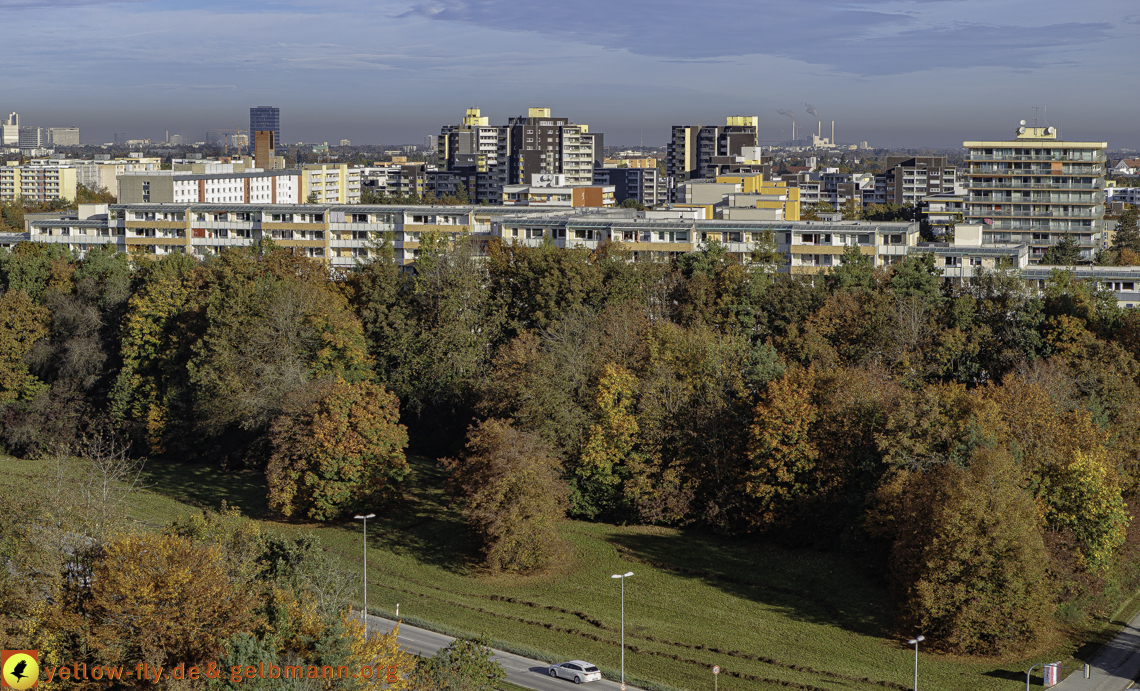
column 890, row 72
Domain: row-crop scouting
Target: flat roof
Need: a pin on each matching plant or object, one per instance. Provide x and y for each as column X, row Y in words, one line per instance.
column 1036, row 143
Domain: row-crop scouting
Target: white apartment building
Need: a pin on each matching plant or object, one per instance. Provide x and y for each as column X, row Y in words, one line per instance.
column 178, row 187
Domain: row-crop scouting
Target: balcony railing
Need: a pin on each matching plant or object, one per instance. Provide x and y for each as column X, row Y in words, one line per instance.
column 1098, row 158
column 1011, row 184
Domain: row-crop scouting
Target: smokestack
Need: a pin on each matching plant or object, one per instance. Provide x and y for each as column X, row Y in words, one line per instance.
column 793, row 130
column 833, row 132
column 819, row 127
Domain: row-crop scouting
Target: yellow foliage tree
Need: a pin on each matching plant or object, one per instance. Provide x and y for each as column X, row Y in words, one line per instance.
column 160, row 597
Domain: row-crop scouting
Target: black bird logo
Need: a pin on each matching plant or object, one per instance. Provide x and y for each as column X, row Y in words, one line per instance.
column 18, row 670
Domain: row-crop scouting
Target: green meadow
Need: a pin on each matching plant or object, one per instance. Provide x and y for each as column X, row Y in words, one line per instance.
column 771, row 617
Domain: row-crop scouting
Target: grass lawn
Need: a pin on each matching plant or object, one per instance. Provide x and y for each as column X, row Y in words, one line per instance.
column 770, row 617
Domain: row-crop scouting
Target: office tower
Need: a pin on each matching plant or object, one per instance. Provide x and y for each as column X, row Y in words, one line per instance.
column 1037, row 189
column 120, row 137
column 265, row 118
column 64, row 136
column 429, row 143
column 264, row 149
column 33, row 137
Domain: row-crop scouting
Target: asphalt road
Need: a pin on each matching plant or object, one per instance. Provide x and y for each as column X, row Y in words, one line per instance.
column 520, row 670
column 1114, row 667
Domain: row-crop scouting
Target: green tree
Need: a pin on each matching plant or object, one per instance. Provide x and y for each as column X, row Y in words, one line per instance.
column 464, row 665
column 1065, row 253
column 856, row 271
column 513, row 497
column 1127, row 238
column 37, row 267
column 312, row 198
column 917, row 276
column 336, row 448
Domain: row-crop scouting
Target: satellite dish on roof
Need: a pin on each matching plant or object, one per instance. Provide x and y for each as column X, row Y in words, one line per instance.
column 1022, row 122
column 1021, row 130
column 1050, row 130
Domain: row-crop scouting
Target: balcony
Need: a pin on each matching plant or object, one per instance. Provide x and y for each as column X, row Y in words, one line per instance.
column 1098, row 158
column 1011, row 184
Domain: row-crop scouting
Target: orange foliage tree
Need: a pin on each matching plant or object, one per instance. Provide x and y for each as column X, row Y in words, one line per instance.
column 335, row 449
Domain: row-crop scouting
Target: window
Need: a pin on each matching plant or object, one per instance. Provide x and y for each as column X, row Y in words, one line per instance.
column 953, row 261
column 975, row 261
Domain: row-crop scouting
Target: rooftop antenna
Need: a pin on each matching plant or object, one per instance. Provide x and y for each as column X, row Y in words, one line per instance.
column 1035, row 109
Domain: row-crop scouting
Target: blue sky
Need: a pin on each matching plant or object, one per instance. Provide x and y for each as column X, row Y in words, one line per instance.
column 891, row 72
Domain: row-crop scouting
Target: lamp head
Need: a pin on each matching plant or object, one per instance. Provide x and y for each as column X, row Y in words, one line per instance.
column 359, row 518
column 628, row 574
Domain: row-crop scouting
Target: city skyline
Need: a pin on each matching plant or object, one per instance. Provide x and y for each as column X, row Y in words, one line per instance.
column 892, row 72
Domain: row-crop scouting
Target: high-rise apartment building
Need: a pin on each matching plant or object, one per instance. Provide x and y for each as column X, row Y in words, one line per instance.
column 265, row 118
column 542, row 144
column 693, row 150
column 473, row 142
column 907, row 179
column 641, row 184
column 1037, row 189
column 37, row 183
column 469, row 151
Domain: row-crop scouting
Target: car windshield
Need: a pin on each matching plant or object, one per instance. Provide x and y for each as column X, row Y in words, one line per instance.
column 591, row 668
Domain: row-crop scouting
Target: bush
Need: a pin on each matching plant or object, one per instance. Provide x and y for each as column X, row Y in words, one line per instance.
column 513, row 497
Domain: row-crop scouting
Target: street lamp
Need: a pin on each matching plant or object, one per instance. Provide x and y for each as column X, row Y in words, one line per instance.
column 622, row 576
column 915, row 642
column 364, row 612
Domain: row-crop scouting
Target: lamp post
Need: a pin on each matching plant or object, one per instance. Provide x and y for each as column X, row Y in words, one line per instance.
column 364, row 612
column 622, row 576
column 915, row 641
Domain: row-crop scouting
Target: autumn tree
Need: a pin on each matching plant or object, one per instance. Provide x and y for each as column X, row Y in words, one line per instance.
column 512, row 495
column 610, row 443
column 22, row 323
column 336, row 447
column 137, row 608
column 782, row 451
column 969, row 565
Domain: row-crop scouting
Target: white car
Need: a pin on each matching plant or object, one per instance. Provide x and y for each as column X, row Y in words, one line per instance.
column 578, row 670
